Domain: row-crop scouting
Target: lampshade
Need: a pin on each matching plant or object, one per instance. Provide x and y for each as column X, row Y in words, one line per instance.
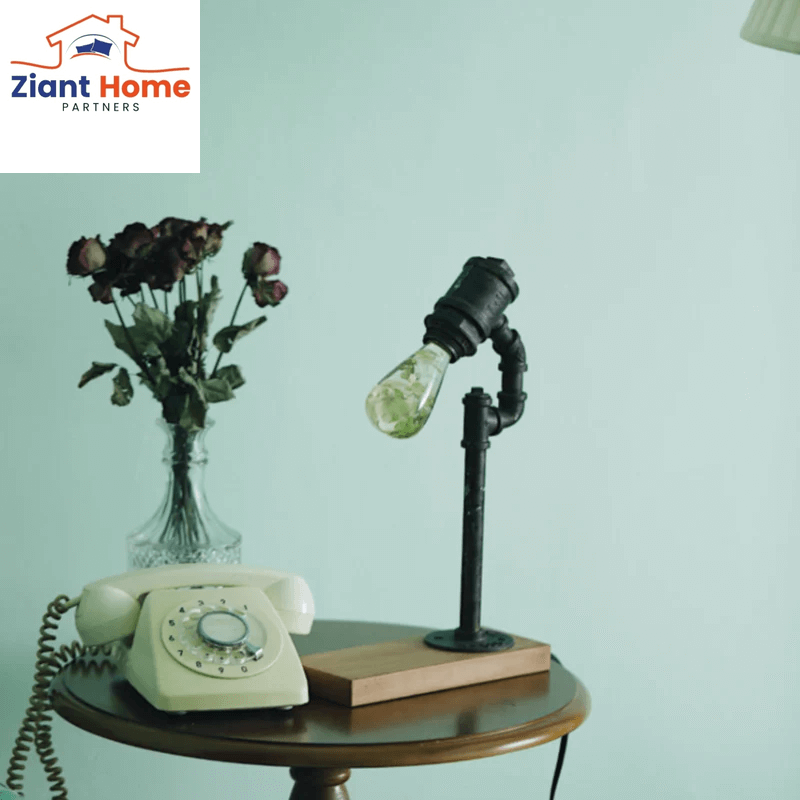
column 774, row 23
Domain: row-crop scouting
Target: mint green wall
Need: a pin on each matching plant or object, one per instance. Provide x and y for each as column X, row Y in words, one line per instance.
column 636, row 164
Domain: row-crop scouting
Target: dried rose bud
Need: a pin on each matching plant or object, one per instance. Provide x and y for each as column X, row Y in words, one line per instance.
column 85, row 256
column 199, row 229
column 101, row 291
column 175, row 265
column 198, row 240
column 214, row 239
column 193, row 249
column 129, row 282
column 134, row 241
column 170, row 226
column 268, row 293
column 260, row 261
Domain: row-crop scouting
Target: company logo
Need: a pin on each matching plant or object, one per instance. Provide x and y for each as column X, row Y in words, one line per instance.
column 98, row 45
column 137, row 68
column 94, row 43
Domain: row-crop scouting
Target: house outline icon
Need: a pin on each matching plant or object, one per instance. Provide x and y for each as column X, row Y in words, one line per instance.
column 55, row 40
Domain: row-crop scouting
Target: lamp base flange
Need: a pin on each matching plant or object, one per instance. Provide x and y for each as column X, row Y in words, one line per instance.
column 481, row 641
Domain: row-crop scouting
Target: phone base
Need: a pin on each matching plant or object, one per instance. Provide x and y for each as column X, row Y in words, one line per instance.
column 171, row 667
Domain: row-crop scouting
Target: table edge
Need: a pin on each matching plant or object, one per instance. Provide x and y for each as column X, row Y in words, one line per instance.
column 394, row 754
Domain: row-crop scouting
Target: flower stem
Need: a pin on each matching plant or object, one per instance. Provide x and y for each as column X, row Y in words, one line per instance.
column 153, row 295
column 137, row 358
column 239, row 302
column 235, row 310
column 199, row 280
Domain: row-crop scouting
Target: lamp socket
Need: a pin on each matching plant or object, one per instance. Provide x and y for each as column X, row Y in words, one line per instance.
column 473, row 306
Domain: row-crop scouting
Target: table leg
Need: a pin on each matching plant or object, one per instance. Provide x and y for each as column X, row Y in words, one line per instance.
column 312, row 783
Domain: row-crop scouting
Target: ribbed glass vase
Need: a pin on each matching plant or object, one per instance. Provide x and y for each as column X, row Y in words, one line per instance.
column 184, row 529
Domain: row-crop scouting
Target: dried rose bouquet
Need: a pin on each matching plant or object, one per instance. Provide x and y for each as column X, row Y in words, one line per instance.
column 169, row 349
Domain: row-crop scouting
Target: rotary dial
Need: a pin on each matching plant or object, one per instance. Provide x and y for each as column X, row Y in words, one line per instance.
column 208, row 636
column 227, row 629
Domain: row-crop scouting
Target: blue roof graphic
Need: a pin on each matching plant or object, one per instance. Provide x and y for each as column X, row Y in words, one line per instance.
column 104, row 48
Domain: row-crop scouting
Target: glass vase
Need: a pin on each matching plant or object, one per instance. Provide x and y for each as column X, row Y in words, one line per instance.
column 184, row 529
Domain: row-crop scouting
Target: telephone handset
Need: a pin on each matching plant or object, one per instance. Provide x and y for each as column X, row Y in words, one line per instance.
column 205, row 636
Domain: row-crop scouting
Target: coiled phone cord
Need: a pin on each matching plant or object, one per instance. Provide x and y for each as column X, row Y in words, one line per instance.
column 35, row 727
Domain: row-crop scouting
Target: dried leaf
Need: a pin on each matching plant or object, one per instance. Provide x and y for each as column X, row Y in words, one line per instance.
column 194, row 413
column 216, row 390
column 152, row 324
column 210, row 303
column 164, row 381
column 232, row 374
column 225, row 338
column 143, row 343
column 123, row 389
column 95, row 371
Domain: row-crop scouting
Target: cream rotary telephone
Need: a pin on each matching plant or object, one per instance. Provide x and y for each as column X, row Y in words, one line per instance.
column 205, row 636
column 189, row 637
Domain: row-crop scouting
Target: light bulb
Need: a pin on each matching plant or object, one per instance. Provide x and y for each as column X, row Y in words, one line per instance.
column 402, row 402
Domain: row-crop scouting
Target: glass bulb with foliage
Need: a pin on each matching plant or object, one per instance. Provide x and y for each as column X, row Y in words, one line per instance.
column 158, row 271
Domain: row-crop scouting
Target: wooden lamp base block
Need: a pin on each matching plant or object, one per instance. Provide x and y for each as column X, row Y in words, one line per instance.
column 373, row 673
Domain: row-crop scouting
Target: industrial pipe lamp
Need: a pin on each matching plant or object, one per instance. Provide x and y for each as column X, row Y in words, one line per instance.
column 470, row 312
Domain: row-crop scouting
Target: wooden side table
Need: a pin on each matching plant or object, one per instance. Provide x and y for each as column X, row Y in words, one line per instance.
column 322, row 741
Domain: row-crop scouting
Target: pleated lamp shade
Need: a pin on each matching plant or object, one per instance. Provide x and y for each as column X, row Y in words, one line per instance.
column 774, row 23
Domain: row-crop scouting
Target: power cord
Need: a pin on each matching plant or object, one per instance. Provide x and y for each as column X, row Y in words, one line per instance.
column 562, row 751
column 35, row 727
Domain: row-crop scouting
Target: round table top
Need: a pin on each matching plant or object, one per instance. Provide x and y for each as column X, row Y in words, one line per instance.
column 458, row 724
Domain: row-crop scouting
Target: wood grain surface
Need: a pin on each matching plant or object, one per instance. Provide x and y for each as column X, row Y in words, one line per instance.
column 458, row 724
column 373, row 673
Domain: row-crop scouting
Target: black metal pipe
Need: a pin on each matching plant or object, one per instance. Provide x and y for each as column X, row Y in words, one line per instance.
column 510, row 399
column 482, row 420
column 477, row 408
